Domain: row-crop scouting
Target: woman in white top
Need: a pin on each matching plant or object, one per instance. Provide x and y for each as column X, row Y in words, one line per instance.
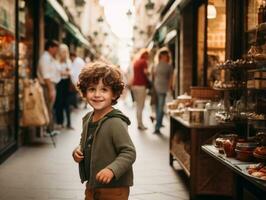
column 62, row 88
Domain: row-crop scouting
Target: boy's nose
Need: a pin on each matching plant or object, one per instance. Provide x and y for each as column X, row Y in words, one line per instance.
column 97, row 92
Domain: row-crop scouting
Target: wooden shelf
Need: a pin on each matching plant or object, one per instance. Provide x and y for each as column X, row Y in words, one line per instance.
column 229, row 89
column 185, row 147
column 259, row 27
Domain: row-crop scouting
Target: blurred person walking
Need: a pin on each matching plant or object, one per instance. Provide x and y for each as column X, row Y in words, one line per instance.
column 62, row 102
column 77, row 65
column 140, row 83
column 163, row 75
column 48, row 76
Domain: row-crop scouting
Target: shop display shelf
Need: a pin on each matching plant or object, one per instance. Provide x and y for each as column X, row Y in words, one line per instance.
column 236, row 165
column 261, row 120
column 238, row 67
column 229, row 89
column 258, row 90
column 259, row 27
column 7, row 57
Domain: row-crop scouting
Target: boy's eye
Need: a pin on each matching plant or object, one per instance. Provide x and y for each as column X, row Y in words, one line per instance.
column 90, row 89
column 105, row 89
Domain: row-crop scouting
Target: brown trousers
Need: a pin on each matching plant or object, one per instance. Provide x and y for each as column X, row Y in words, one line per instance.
column 119, row 193
column 50, row 107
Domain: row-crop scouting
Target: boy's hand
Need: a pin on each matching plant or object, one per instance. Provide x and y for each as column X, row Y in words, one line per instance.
column 105, row 176
column 78, row 155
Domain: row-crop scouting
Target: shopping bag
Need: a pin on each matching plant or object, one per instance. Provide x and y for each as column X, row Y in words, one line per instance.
column 34, row 111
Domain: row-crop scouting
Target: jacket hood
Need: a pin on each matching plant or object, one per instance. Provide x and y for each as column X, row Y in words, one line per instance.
column 117, row 113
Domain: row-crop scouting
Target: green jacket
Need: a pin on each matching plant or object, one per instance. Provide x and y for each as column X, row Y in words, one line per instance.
column 111, row 148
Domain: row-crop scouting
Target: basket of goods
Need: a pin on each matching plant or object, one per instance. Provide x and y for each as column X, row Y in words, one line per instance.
column 219, row 144
column 176, row 112
column 244, row 150
column 257, row 171
column 228, row 140
column 184, row 99
column 171, row 105
column 176, row 106
column 261, row 138
column 260, row 153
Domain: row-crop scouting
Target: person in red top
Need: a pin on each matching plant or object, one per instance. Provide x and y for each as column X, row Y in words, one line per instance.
column 139, row 84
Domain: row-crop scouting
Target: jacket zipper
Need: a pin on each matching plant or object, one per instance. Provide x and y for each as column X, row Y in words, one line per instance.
column 93, row 142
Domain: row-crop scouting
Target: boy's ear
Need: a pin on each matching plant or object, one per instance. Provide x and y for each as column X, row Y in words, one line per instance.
column 114, row 97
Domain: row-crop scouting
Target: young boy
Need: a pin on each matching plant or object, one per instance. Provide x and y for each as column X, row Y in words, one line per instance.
column 105, row 153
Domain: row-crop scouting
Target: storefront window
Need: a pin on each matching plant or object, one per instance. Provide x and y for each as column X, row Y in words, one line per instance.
column 253, row 7
column 7, row 78
column 201, row 44
column 255, row 49
column 255, row 28
column 216, row 32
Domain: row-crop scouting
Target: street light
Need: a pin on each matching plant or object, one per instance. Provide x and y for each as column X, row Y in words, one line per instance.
column 95, row 33
column 80, row 2
column 100, row 19
column 141, row 32
column 149, row 7
column 129, row 13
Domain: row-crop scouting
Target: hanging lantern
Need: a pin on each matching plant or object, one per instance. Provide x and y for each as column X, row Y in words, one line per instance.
column 211, row 11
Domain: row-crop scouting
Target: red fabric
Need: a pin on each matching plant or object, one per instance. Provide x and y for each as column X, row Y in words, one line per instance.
column 140, row 77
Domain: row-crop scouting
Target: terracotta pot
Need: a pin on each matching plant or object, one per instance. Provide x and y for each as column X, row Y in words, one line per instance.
column 229, row 147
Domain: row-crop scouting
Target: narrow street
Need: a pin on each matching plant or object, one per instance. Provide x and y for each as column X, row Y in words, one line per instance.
column 40, row 171
column 203, row 60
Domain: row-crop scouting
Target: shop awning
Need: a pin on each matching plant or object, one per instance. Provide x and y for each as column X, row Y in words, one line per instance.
column 150, row 45
column 160, row 31
column 169, row 36
column 168, row 15
column 59, row 9
column 79, row 36
column 55, row 8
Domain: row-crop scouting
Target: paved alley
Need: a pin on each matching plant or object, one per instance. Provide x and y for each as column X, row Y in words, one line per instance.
column 40, row 171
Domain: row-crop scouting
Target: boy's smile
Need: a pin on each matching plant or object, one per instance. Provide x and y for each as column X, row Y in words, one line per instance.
column 100, row 97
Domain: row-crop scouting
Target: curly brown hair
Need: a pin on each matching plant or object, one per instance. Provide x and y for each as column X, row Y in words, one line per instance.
column 96, row 71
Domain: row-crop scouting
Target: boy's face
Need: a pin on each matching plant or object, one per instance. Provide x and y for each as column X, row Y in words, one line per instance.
column 100, row 97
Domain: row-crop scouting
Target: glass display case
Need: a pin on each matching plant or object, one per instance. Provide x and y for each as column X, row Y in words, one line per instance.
column 211, row 36
column 255, row 49
column 216, row 35
column 25, row 47
column 255, row 29
column 7, row 74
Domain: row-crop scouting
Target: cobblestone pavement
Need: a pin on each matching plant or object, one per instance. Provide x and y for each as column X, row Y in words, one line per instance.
column 40, row 171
